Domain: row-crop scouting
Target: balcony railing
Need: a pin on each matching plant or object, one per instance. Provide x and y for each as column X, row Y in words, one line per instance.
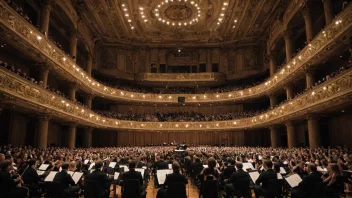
column 331, row 93
column 191, row 77
column 326, row 40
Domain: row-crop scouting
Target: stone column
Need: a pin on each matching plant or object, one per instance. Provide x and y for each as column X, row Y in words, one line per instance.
column 328, row 11
column 272, row 63
column 289, row 92
column 275, row 137
column 314, row 132
column 308, row 23
column 291, row 135
column 89, row 64
column 309, row 79
column 87, row 137
column 42, row 133
column 289, row 46
column 73, row 44
column 88, row 101
column 71, row 136
column 72, row 91
column 43, row 76
column 45, row 17
column 273, row 100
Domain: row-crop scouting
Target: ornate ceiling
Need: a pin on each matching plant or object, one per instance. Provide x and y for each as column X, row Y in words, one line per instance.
column 180, row 22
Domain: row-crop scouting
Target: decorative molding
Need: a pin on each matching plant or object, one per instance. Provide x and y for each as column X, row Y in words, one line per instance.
column 191, row 77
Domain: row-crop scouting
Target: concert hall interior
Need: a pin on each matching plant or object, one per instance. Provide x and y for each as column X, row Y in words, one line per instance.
column 175, row 98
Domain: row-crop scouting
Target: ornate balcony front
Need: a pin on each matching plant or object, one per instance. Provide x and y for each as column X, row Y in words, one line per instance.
column 333, row 93
column 26, row 36
column 179, row 79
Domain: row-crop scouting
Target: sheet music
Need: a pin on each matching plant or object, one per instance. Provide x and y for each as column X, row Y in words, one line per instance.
column 77, row 176
column 125, row 167
column 279, row 176
column 282, row 170
column 161, row 175
column 70, row 173
column 247, row 166
column 92, row 170
column 141, row 170
column 43, row 167
column 254, row 176
column 144, row 167
column 40, row 172
column 170, row 166
column 205, row 166
column 293, row 180
column 91, row 166
column 51, row 176
column 112, row 164
column 60, row 169
column 116, row 175
column 86, row 161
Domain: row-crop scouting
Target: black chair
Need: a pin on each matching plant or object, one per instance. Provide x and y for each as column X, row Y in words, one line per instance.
column 131, row 189
column 91, row 189
column 274, row 188
column 242, row 188
column 55, row 190
column 210, row 189
column 176, row 190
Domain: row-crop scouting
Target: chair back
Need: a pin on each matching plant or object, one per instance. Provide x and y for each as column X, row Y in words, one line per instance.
column 131, row 188
column 210, row 189
column 275, row 188
column 55, row 189
column 91, row 189
column 176, row 190
column 242, row 188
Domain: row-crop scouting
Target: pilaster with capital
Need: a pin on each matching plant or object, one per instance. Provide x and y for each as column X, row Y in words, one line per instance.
column 314, row 131
column 291, row 134
column 275, row 136
column 71, row 135
column 73, row 44
column 46, row 7
column 42, row 132
column 328, row 11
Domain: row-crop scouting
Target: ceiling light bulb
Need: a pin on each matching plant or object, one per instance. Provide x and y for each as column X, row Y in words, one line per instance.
column 126, row 15
column 157, row 14
column 235, row 20
column 125, row 9
column 222, row 14
column 145, row 20
column 123, row 5
column 192, row 2
column 168, row 23
column 225, row 3
column 141, row 8
column 129, row 20
column 132, row 27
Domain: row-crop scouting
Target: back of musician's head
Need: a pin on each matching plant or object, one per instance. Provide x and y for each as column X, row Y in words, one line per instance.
column 4, row 165
column 65, row 165
column 31, row 162
column 239, row 165
column 175, row 167
column 211, row 163
column 98, row 164
column 268, row 164
column 312, row 167
column 132, row 164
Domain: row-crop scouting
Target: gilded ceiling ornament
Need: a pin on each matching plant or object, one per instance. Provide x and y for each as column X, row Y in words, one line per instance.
column 178, row 12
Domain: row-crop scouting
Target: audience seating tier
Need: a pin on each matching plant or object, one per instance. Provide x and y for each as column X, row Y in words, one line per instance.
column 334, row 92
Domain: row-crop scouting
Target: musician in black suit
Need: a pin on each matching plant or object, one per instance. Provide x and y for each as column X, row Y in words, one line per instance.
column 306, row 187
column 161, row 164
column 10, row 187
column 133, row 174
column 30, row 172
column 66, row 180
column 264, row 178
column 230, row 169
column 175, row 177
column 101, row 178
column 237, row 176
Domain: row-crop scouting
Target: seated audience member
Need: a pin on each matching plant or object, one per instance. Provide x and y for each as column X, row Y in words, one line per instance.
column 10, row 187
column 133, row 174
column 161, row 164
column 175, row 177
column 264, row 177
column 307, row 185
column 238, row 176
column 211, row 173
column 64, row 178
column 335, row 180
column 101, row 178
